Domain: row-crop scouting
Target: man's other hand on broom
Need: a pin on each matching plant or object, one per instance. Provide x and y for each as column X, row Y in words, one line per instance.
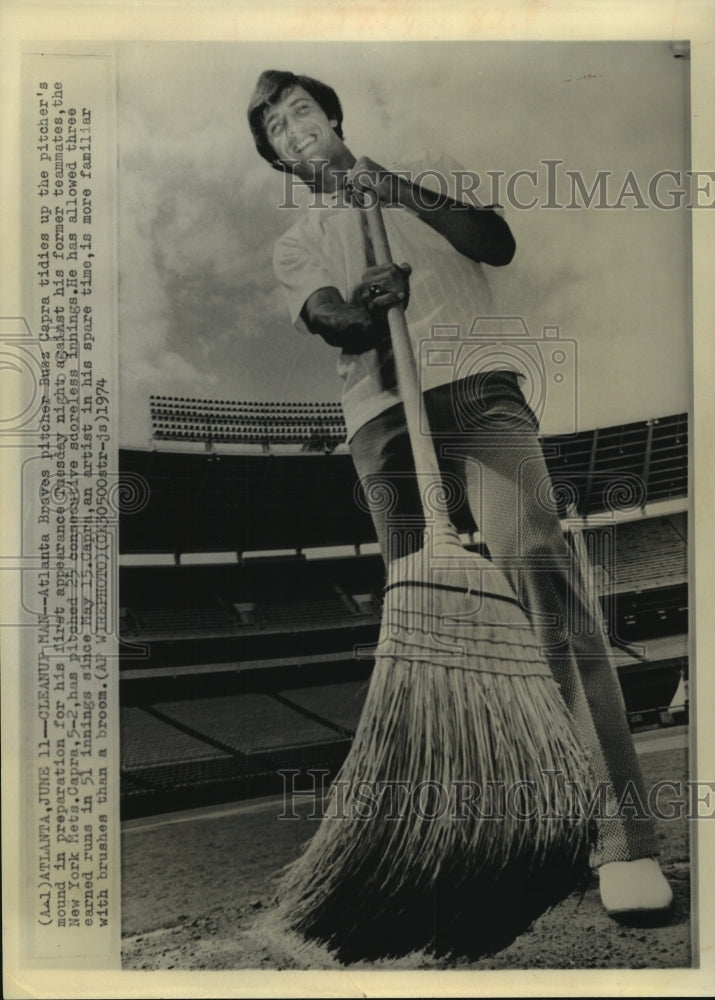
column 384, row 286
column 360, row 324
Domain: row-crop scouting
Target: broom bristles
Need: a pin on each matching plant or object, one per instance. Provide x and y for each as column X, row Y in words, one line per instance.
column 446, row 733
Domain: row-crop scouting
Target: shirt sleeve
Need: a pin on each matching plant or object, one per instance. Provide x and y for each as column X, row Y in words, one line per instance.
column 300, row 273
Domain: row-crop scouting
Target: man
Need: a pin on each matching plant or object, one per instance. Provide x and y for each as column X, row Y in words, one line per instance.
column 485, row 431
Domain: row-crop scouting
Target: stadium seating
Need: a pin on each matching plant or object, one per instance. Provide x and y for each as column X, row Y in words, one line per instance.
column 641, row 554
column 247, row 723
column 148, row 741
column 207, row 621
column 224, row 421
column 650, row 553
column 340, row 703
column 233, row 671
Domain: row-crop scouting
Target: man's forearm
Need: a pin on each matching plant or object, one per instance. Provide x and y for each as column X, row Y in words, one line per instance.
column 477, row 233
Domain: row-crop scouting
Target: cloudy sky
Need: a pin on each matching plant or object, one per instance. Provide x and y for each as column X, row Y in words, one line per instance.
column 200, row 312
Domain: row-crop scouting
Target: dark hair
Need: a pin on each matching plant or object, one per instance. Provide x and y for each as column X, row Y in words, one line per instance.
column 272, row 83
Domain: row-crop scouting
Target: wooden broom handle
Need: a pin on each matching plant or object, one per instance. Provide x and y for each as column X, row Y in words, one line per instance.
column 423, row 451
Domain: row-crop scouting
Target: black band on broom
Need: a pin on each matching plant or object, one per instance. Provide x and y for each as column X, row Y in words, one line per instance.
column 451, row 823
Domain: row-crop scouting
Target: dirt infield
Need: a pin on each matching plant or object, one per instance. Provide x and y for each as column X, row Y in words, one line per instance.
column 196, row 888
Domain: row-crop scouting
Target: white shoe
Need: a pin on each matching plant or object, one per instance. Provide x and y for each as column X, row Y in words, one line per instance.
column 634, row 888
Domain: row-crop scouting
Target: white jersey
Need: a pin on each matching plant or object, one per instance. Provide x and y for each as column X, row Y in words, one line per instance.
column 329, row 247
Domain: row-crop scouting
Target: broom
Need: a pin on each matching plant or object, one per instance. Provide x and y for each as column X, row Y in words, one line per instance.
column 456, row 798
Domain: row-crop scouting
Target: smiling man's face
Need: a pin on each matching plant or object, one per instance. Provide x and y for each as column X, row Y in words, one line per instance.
column 300, row 132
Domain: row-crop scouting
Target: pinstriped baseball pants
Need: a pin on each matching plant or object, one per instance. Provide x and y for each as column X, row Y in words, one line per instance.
column 486, row 438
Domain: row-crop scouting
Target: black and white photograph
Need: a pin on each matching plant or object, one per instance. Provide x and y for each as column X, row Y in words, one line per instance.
column 356, row 512
column 528, row 209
